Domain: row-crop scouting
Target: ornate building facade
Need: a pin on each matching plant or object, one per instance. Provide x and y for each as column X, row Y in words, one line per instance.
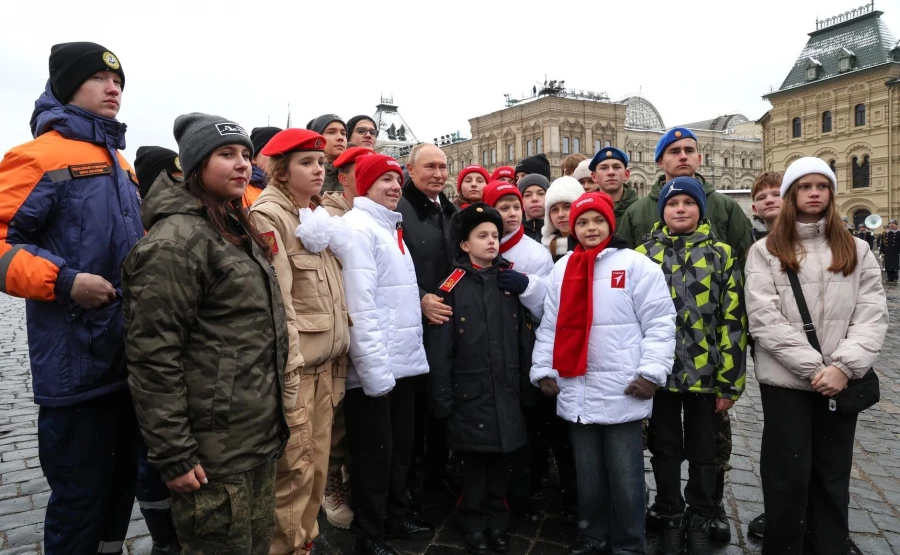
column 576, row 122
column 841, row 102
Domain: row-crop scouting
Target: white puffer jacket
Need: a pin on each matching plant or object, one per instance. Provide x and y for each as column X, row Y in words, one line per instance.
column 849, row 312
column 386, row 341
column 534, row 260
column 632, row 335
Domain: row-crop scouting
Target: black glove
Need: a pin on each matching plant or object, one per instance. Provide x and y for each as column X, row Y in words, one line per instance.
column 512, row 281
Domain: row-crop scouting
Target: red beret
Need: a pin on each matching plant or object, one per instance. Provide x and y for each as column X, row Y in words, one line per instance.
column 599, row 201
column 370, row 168
column 350, row 155
column 471, row 169
column 293, row 140
column 503, row 171
column 495, row 190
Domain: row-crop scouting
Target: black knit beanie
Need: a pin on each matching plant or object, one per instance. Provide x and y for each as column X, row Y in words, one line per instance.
column 150, row 162
column 260, row 137
column 71, row 63
column 535, row 164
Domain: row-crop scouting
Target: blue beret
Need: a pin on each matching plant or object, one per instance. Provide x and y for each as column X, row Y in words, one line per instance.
column 607, row 154
column 672, row 135
column 683, row 185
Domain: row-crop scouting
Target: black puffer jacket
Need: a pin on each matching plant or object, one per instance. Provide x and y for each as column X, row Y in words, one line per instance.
column 476, row 361
column 426, row 231
column 533, row 229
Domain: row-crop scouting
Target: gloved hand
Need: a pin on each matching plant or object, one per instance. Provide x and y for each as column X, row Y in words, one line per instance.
column 642, row 388
column 549, row 387
column 512, row 281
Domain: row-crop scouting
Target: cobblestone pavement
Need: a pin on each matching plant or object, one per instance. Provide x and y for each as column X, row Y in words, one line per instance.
column 875, row 487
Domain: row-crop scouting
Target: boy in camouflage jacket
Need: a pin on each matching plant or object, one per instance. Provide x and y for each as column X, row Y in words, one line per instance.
column 709, row 370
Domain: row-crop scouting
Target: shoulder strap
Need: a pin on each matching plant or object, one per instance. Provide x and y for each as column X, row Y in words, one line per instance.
column 808, row 326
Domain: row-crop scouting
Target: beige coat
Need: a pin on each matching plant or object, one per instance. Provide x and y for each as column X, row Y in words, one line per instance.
column 849, row 313
column 312, row 286
column 336, row 203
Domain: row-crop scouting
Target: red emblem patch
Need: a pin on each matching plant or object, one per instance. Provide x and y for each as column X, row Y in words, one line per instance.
column 618, row 279
column 269, row 237
column 451, row 281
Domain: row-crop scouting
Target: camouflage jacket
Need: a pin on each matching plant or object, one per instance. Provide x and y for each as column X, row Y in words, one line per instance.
column 331, row 182
column 711, row 323
column 205, row 342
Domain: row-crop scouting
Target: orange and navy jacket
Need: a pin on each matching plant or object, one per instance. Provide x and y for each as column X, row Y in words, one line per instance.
column 257, row 183
column 69, row 203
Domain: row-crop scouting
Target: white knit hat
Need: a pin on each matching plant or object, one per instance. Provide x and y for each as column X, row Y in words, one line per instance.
column 564, row 189
column 582, row 170
column 806, row 166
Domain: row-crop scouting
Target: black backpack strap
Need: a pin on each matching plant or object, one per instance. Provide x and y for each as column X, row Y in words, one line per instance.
column 808, row 326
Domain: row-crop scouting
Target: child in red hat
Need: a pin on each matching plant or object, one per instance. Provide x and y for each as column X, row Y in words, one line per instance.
column 470, row 184
column 605, row 343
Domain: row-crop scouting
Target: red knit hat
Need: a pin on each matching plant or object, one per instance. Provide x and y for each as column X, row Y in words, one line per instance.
column 503, row 171
column 599, row 201
column 370, row 168
column 471, row 169
column 350, row 155
column 495, row 190
column 292, row 140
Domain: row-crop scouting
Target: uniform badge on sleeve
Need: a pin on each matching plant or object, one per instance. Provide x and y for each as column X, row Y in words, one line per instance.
column 452, row 280
column 269, row 237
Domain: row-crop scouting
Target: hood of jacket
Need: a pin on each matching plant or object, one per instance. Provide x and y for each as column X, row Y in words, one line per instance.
column 75, row 123
column 702, row 234
column 169, row 197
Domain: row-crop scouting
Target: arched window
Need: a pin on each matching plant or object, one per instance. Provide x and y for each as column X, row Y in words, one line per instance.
column 859, row 217
column 510, row 153
column 540, row 146
column 607, row 144
column 484, row 158
column 826, row 122
column 530, row 149
column 493, row 156
column 576, row 145
column 860, row 114
column 597, row 146
column 449, row 165
column 860, row 172
column 565, row 145
column 795, row 123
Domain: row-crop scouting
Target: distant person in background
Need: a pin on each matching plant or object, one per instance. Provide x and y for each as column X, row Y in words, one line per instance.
column 866, row 235
column 362, row 131
column 470, row 184
column 609, row 168
column 150, row 162
column 333, row 128
column 534, row 190
column 260, row 137
column 890, row 250
column 504, row 173
column 571, row 162
column 583, row 174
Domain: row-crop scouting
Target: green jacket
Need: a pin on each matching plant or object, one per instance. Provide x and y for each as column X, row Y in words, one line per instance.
column 205, row 341
column 729, row 223
column 331, row 182
column 629, row 197
column 710, row 322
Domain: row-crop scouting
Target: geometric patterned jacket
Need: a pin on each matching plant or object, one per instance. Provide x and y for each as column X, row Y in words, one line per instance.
column 711, row 322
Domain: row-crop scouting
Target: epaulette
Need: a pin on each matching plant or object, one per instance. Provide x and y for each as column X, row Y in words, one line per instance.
column 452, row 280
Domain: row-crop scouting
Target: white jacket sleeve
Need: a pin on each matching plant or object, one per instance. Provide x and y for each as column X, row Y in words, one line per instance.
column 856, row 353
column 368, row 351
column 533, row 297
column 542, row 357
column 768, row 326
column 656, row 313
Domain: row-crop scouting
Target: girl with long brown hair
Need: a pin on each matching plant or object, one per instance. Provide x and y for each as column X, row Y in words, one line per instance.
column 306, row 242
column 807, row 444
column 206, row 344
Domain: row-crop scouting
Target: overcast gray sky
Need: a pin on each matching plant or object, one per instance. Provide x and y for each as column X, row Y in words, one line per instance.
column 443, row 63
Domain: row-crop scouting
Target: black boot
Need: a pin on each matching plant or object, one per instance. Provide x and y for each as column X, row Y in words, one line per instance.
column 720, row 529
column 653, row 523
column 583, row 547
column 162, row 531
column 698, row 535
column 757, row 526
column 372, row 546
column 475, row 543
column 672, row 542
column 498, row 540
column 407, row 528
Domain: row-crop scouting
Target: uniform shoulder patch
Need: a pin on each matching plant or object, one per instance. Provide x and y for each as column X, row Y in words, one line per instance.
column 452, row 280
column 269, row 237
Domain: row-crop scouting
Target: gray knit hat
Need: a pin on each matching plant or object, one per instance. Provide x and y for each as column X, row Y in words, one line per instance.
column 198, row 135
column 533, row 179
column 320, row 123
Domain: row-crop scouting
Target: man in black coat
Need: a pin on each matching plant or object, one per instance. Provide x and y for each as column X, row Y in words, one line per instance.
column 426, row 232
column 889, row 244
column 866, row 235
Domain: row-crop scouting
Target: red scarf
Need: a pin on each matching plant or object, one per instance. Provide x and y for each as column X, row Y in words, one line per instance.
column 573, row 321
column 513, row 241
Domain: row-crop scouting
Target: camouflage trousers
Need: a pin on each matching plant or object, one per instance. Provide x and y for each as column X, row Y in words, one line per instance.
column 723, row 441
column 231, row 515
